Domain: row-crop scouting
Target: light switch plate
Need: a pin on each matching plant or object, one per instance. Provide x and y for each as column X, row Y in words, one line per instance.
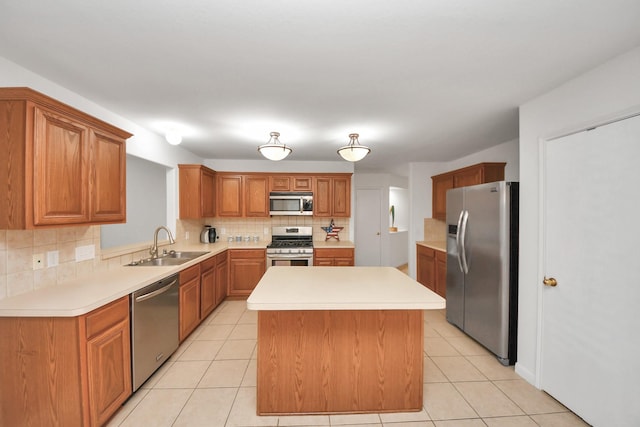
column 52, row 258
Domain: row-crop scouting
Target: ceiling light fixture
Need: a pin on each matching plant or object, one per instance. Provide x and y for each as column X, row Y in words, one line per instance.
column 173, row 137
column 354, row 151
column 274, row 149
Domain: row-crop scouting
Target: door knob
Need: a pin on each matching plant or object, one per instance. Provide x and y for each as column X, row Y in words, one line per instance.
column 550, row 281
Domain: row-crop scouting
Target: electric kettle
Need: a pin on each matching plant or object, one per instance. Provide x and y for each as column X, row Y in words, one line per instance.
column 208, row 235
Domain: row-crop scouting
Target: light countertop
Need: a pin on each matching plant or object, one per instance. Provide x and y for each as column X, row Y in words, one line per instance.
column 82, row 295
column 333, row 243
column 438, row 245
column 340, row 288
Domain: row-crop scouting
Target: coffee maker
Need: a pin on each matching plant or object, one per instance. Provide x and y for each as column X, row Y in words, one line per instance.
column 208, row 235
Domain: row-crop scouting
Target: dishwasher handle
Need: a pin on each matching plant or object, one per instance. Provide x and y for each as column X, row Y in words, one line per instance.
column 152, row 294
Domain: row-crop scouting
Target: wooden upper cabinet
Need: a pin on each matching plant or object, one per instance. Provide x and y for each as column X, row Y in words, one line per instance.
column 229, row 196
column 290, row 182
column 332, row 195
column 197, row 191
column 471, row 175
column 256, row 196
column 108, row 203
column 440, row 185
column 60, row 166
column 243, row 195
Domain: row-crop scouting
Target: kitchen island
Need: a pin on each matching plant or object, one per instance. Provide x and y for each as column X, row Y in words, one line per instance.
column 340, row 340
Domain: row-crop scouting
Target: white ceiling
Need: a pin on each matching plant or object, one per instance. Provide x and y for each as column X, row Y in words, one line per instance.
column 420, row 80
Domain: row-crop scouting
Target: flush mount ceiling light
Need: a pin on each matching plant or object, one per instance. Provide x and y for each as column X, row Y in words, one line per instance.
column 354, row 151
column 173, row 137
column 274, row 149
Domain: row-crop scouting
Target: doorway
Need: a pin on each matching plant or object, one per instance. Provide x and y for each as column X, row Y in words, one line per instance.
column 589, row 335
column 368, row 227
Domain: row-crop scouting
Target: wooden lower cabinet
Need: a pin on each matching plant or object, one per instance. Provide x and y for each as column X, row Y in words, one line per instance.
column 73, row 371
column 207, row 286
column 426, row 273
column 189, row 300
column 246, row 268
column 432, row 269
column 441, row 273
column 202, row 288
column 222, row 274
column 337, row 257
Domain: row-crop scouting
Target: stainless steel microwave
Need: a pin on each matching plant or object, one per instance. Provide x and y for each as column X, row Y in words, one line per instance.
column 290, row 203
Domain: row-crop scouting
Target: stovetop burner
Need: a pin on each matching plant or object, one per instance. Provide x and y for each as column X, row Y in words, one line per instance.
column 291, row 238
column 290, row 244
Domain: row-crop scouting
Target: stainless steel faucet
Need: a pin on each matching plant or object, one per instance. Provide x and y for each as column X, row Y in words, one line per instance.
column 153, row 250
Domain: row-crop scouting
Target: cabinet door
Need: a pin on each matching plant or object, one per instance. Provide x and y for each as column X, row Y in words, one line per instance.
column 189, row 307
column 467, row 177
column 440, row 185
column 441, row 273
column 322, row 197
column 246, row 267
column 256, row 192
column 229, row 197
column 208, row 185
column 207, row 287
column 341, row 196
column 109, row 372
column 426, row 266
column 301, row 183
column 279, row 183
column 221, row 277
column 61, row 170
column 108, row 184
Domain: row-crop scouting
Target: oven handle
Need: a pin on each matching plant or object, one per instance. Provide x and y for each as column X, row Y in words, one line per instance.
column 290, row 256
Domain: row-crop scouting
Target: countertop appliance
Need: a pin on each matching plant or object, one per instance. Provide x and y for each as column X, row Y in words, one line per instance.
column 482, row 265
column 154, row 327
column 208, row 234
column 291, row 203
column 290, row 246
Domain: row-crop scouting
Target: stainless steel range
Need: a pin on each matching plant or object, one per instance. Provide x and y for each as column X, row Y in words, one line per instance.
column 290, row 246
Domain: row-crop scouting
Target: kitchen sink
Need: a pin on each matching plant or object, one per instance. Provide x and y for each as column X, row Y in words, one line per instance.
column 168, row 259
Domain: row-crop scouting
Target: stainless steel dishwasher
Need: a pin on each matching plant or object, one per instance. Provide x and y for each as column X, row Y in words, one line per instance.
column 154, row 327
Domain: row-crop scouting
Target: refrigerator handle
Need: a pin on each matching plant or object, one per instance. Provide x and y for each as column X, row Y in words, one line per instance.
column 462, row 235
column 458, row 246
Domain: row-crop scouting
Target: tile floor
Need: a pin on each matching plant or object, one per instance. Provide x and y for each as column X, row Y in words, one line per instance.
column 211, row 381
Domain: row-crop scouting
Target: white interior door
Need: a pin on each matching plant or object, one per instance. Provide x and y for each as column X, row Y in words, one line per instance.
column 367, row 227
column 590, row 321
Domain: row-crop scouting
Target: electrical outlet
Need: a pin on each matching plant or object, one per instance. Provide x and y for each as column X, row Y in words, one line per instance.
column 186, row 235
column 223, row 231
column 38, row 261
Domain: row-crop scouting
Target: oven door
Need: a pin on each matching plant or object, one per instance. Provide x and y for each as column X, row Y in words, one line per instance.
column 290, row 260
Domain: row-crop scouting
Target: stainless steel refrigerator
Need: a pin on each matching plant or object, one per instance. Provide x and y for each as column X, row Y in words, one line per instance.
column 482, row 265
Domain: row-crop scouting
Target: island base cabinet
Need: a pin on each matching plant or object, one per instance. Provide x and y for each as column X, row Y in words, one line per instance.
column 339, row 361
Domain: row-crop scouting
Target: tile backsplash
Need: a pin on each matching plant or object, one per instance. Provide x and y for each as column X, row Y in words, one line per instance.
column 17, row 248
column 435, row 230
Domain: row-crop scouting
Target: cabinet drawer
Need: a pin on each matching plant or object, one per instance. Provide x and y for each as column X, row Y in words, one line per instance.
column 246, row 253
column 189, row 274
column 103, row 318
column 208, row 264
column 334, row 253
